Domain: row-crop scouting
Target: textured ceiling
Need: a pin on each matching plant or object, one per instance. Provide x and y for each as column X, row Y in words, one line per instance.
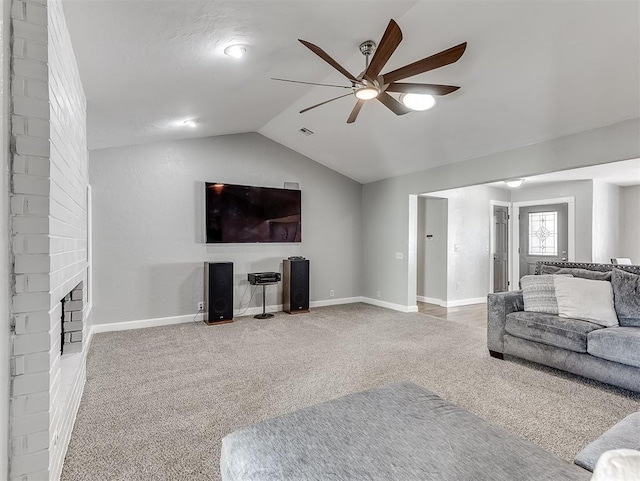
column 533, row 70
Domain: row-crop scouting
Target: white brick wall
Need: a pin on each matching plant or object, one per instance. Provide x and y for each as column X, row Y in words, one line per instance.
column 49, row 231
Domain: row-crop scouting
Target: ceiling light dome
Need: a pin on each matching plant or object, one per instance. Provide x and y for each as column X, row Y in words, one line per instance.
column 235, row 51
column 418, row 101
column 367, row 93
column 514, row 182
column 191, row 123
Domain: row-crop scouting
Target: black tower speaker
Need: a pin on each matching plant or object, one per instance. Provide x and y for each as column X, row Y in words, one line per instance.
column 296, row 285
column 218, row 292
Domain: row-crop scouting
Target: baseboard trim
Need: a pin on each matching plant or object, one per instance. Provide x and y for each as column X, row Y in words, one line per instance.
column 466, row 302
column 167, row 321
column 431, row 300
column 389, row 305
column 458, row 303
column 335, row 302
column 143, row 323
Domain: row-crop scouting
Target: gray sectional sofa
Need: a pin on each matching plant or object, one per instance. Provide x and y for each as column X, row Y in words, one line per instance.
column 607, row 354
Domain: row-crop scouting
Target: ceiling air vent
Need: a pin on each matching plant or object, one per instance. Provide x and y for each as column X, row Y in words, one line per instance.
column 306, row 131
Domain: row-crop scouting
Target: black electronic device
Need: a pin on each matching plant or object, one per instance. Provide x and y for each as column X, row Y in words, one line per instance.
column 218, row 292
column 258, row 278
column 243, row 213
column 296, row 286
column 263, row 279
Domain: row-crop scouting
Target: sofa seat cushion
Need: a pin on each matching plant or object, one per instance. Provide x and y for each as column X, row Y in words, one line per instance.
column 550, row 329
column 618, row 344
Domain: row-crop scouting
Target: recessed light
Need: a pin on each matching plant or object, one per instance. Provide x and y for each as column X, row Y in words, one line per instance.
column 191, row 123
column 235, row 51
column 418, row 101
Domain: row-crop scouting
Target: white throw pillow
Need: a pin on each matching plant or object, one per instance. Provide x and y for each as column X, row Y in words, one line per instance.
column 618, row 465
column 585, row 299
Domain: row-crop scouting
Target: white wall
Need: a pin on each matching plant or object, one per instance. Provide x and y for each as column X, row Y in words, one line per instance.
column 606, row 222
column 630, row 223
column 4, row 239
column 148, row 225
column 432, row 252
column 386, row 216
column 468, row 240
column 582, row 192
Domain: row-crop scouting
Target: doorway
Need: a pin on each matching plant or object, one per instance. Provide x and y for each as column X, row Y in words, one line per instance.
column 500, row 248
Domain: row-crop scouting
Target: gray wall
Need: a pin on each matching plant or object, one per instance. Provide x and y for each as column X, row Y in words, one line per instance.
column 606, row 222
column 432, row 252
column 630, row 223
column 148, row 225
column 4, row 240
column 582, row 191
column 385, row 203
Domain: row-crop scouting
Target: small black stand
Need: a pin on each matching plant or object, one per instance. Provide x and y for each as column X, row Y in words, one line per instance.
column 264, row 314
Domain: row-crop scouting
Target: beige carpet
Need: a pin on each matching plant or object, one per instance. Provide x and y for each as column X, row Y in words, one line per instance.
column 158, row 401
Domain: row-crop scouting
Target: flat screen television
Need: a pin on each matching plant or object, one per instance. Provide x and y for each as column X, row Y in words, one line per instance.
column 243, row 213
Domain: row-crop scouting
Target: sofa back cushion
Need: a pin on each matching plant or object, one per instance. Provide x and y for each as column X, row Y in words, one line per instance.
column 626, row 297
column 576, row 272
column 585, row 299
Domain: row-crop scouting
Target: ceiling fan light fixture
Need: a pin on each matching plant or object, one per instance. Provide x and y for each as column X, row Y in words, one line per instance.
column 235, row 51
column 514, row 183
column 367, row 93
column 418, row 102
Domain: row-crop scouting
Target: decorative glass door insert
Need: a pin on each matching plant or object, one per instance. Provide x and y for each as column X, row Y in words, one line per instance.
column 543, row 233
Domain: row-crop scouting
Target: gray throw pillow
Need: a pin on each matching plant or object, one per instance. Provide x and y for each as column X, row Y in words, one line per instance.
column 539, row 294
column 626, row 297
column 577, row 272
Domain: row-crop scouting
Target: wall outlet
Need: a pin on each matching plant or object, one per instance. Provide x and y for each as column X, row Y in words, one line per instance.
column 457, row 286
column 331, row 293
column 200, row 306
column 378, row 294
column 399, row 255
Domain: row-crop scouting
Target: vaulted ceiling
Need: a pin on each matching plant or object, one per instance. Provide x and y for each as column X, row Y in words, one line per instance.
column 533, row 70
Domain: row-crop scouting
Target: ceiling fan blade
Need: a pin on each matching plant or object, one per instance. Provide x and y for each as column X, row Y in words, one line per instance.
column 392, row 104
column 325, row 102
column 325, row 56
column 430, row 63
column 310, row 83
column 390, row 41
column 431, row 89
column 355, row 111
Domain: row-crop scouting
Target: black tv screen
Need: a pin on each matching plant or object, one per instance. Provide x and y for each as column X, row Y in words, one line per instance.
column 242, row 213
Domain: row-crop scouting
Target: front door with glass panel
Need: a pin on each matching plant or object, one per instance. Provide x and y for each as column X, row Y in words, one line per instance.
column 544, row 235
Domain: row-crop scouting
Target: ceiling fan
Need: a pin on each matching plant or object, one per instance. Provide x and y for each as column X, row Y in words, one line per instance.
column 370, row 84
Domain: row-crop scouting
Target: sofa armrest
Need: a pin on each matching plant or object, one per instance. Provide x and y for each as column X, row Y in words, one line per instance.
column 498, row 306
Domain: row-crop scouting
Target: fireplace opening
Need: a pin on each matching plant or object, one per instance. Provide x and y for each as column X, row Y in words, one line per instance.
column 72, row 320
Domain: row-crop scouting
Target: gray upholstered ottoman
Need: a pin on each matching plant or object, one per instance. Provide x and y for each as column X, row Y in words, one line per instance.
column 396, row 432
column 622, row 435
